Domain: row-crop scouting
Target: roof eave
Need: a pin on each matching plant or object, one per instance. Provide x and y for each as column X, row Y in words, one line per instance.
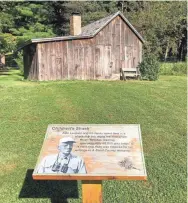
column 41, row 40
column 60, row 38
column 24, row 45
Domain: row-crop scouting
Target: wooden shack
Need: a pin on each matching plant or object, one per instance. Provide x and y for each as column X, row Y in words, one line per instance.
column 2, row 60
column 96, row 51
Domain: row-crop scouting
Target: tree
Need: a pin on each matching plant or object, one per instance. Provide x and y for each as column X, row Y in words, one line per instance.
column 60, row 13
column 21, row 21
column 163, row 25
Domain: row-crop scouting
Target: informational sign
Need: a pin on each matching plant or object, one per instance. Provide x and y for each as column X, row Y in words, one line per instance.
column 96, row 151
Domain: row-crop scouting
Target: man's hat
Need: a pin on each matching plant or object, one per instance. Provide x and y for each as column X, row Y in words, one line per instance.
column 66, row 139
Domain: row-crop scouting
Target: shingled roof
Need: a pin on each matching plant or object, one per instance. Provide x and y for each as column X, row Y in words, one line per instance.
column 95, row 27
column 89, row 31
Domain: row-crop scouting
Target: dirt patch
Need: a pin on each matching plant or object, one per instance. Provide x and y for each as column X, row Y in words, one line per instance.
column 6, row 168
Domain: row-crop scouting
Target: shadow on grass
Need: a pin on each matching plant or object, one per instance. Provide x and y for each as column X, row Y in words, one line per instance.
column 56, row 191
column 11, row 74
column 4, row 72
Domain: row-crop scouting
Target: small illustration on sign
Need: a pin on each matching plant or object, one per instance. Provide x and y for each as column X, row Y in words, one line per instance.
column 126, row 163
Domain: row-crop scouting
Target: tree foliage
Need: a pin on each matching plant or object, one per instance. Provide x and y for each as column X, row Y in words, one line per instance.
column 21, row 21
column 163, row 25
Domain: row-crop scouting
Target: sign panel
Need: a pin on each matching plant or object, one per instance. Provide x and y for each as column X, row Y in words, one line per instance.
column 91, row 152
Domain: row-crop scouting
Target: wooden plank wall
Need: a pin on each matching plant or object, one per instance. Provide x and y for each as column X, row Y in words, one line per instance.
column 30, row 57
column 101, row 57
column 66, row 60
column 2, row 59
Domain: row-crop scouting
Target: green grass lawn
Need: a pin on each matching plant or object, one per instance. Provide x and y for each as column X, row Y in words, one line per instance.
column 28, row 107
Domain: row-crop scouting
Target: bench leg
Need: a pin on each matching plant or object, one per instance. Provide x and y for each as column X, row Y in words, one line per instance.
column 125, row 77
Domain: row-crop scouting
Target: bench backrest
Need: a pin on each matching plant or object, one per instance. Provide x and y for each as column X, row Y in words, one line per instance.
column 129, row 69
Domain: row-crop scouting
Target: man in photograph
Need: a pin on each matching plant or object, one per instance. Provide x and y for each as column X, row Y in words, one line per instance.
column 64, row 161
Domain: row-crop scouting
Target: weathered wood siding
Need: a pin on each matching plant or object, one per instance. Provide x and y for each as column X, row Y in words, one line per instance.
column 101, row 57
column 66, row 60
column 116, row 46
column 30, row 58
column 2, row 59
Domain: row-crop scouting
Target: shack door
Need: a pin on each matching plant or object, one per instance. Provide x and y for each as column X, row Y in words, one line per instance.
column 78, row 71
column 103, row 67
column 127, row 61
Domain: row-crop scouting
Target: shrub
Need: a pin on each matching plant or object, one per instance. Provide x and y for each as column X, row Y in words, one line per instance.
column 179, row 68
column 149, row 68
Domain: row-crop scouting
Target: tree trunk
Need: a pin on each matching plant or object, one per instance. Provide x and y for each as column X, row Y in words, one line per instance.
column 180, row 48
column 166, row 52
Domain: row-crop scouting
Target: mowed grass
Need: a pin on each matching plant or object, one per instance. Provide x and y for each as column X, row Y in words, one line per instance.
column 26, row 108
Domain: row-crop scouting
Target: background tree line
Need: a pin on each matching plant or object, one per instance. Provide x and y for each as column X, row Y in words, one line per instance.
column 162, row 24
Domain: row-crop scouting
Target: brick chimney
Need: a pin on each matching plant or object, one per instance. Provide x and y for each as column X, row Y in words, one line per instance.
column 75, row 24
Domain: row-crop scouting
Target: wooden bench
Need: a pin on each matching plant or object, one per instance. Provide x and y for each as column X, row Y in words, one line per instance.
column 129, row 72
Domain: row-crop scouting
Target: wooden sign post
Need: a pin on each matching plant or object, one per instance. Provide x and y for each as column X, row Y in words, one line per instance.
column 91, row 153
column 92, row 191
